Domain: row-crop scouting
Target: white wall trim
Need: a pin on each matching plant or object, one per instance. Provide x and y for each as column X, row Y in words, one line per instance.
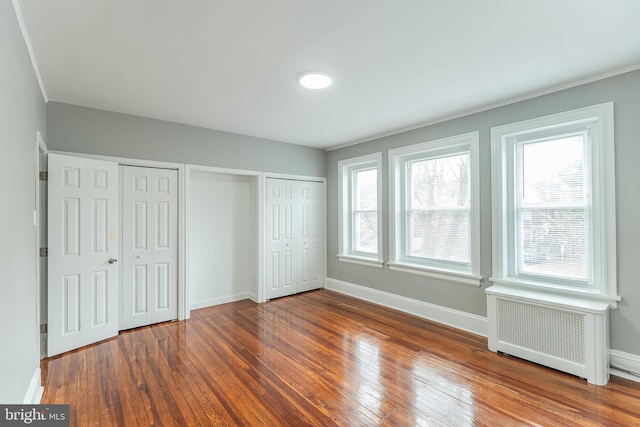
column 214, row 169
column 294, row 177
column 217, row 301
column 40, row 149
column 377, row 263
column 124, row 161
column 447, row 316
column 531, row 95
column 27, row 42
column 624, row 365
column 35, row 390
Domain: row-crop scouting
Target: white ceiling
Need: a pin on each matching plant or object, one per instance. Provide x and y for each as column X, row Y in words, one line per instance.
column 396, row 64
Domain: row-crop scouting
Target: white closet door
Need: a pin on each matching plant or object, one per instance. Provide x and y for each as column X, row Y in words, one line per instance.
column 295, row 237
column 150, row 246
column 309, row 236
column 279, row 239
column 83, row 251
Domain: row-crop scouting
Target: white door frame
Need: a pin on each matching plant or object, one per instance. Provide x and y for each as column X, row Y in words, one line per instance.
column 183, row 295
column 40, row 149
column 257, row 290
column 262, row 289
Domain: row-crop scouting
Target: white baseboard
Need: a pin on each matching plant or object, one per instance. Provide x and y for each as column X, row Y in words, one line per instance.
column 217, row 301
column 447, row 316
column 625, row 365
column 35, row 390
column 253, row 297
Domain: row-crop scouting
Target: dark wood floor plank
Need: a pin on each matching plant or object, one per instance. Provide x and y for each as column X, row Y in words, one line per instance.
column 321, row 359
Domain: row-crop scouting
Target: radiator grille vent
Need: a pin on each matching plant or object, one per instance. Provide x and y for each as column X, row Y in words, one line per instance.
column 546, row 330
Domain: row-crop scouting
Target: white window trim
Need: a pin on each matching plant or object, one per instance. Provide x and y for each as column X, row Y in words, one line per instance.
column 344, row 203
column 600, row 119
column 468, row 141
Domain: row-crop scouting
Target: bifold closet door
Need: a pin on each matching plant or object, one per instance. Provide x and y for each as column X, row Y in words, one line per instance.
column 150, row 246
column 295, row 236
column 309, row 235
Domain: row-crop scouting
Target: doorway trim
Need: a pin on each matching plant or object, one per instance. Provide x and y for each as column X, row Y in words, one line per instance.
column 255, row 293
column 35, row 390
column 183, row 295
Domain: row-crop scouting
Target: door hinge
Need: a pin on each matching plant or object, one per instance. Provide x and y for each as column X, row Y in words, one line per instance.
column 44, row 328
column 44, row 252
column 44, row 176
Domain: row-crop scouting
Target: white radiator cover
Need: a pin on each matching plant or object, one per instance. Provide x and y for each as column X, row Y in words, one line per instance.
column 566, row 333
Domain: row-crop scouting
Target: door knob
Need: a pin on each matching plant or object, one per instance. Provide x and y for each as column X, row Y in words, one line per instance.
column 112, row 260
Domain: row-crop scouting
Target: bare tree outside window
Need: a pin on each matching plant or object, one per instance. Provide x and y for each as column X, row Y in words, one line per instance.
column 365, row 210
column 552, row 206
column 439, row 208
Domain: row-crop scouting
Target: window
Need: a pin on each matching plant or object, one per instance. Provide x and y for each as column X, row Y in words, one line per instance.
column 360, row 206
column 434, row 218
column 553, row 207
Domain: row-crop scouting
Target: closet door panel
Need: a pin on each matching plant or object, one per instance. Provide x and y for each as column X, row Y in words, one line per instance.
column 311, row 235
column 280, row 274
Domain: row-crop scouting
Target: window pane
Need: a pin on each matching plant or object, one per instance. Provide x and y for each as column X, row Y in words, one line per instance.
column 439, row 209
column 551, row 181
column 366, row 194
column 440, row 234
column 366, row 232
column 552, row 172
column 440, row 182
column 553, row 242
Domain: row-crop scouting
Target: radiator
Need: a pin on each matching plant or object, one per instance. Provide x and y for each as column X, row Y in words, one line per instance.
column 565, row 333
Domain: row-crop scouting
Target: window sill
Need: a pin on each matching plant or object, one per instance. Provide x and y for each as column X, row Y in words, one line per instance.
column 451, row 276
column 550, row 292
column 369, row 262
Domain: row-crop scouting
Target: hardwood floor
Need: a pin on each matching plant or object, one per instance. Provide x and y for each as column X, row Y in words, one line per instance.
column 321, row 359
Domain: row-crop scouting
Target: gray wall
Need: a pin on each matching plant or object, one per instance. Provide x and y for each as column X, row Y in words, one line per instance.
column 86, row 130
column 22, row 113
column 623, row 90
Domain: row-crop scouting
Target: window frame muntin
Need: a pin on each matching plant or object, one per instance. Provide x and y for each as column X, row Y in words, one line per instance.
column 398, row 187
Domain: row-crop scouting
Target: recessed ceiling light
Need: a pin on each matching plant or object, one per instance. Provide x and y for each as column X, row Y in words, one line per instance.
column 315, row 80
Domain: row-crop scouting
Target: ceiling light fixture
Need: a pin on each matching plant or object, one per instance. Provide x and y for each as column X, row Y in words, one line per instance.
column 315, row 80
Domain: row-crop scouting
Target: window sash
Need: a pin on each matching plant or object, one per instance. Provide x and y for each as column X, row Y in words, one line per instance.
column 429, row 263
column 361, row 243
column 598, row 204
column 360, row 233
column 429, row 257
column 356, row 239
column 545, row 256
column 544, row 259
